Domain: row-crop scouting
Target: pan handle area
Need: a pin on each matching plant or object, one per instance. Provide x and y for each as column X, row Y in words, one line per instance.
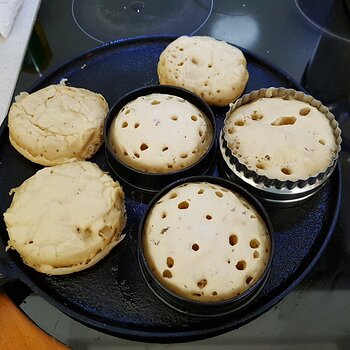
column 5, row 275
column 14, row 324
column 17, row 331
column 10, row 283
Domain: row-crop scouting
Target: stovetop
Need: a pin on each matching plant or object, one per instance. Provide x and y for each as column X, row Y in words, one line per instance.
column 310, row 41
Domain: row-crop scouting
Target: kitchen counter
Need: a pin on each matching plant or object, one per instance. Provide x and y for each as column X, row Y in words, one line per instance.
column 12, row 51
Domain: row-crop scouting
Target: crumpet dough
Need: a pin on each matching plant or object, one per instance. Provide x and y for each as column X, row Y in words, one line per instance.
column 210, row 68
column 283, row 139
column 66, row 218
column 57, row 124
column 160, row 133
column 205, row 242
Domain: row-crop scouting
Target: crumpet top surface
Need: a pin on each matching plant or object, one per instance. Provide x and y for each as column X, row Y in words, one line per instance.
column 210, row 68
column 65, row 218
column 160, row 133
column 205, row 242
column 57, row 124
column 283, row 139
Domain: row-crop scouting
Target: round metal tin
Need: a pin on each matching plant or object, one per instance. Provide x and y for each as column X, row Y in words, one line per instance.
column 194, row 307
column 153, row 182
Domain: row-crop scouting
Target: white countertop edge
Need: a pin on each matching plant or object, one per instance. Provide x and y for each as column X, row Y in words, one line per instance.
column 12, row 51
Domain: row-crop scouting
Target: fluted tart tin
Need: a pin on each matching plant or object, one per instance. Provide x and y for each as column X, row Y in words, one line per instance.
column 279, row 116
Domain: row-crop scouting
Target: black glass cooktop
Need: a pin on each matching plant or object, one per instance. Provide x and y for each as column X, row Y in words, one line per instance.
column 310, row 41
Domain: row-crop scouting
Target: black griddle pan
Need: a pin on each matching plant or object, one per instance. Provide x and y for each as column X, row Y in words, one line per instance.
column 112, row 296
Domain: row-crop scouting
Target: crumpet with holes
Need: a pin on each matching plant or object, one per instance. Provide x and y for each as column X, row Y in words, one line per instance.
column 57, row 124
column 280, row 138
column 205, row 242
column 66, row 218
column 212, row 69
column 160, row 133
